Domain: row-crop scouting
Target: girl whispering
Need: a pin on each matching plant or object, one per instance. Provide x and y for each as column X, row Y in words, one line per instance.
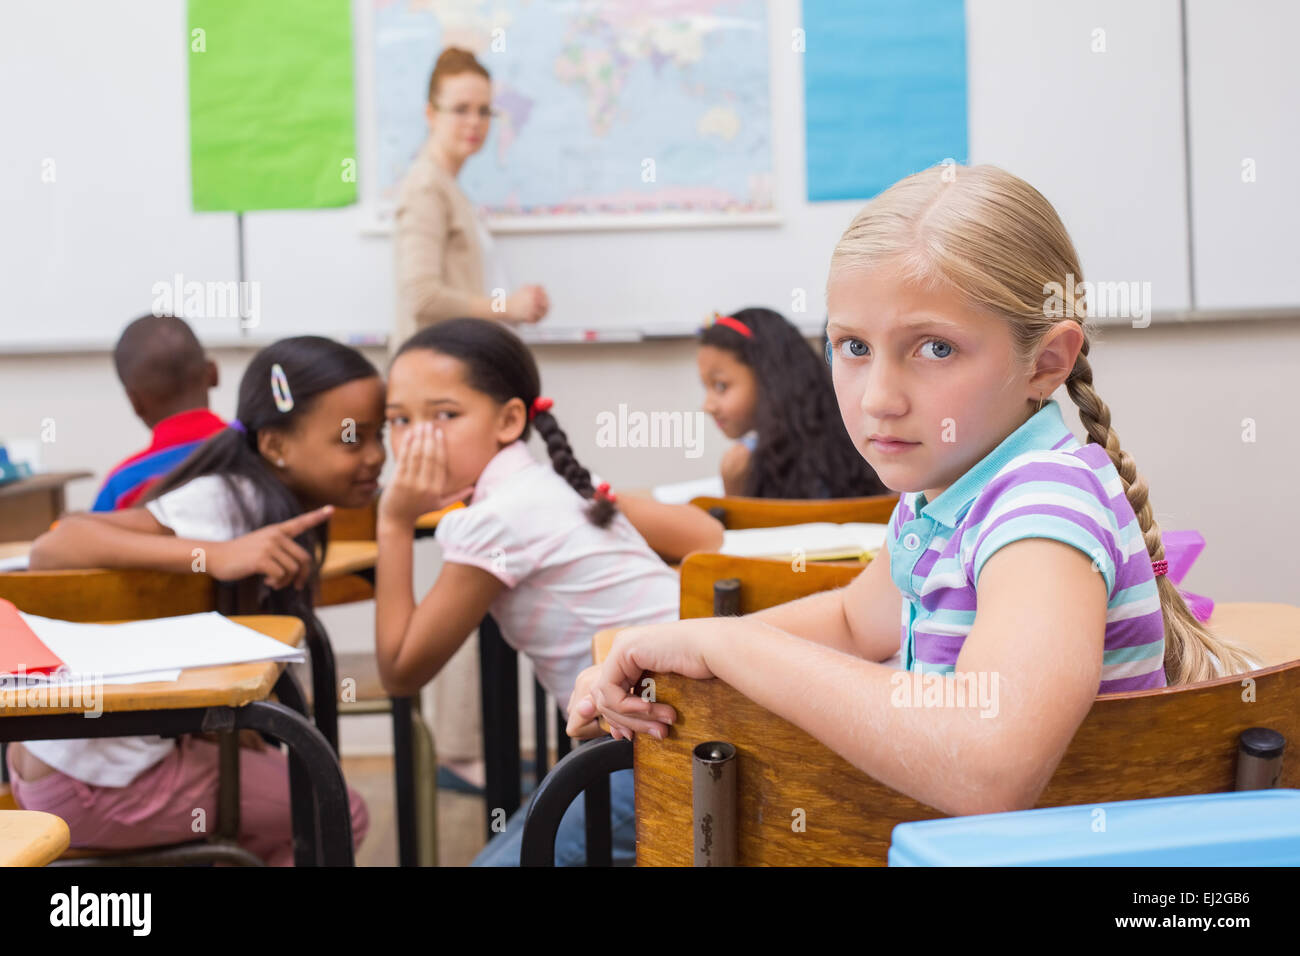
column 254, row 497
column 1014, row 551
column 545, row 548
column 770, row 393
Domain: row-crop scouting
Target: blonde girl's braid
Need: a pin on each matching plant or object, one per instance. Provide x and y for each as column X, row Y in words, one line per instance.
column 998, row 242
column 1188, row 643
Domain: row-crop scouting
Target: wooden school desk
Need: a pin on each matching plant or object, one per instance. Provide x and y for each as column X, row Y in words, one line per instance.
column 347, row 572
column 29, row 505
column 349, row 557
column 736, row 512
column 31, row 838
column 210, row 699
column 92, row 594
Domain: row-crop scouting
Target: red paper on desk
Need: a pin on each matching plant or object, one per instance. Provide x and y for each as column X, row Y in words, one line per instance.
column 21, row 651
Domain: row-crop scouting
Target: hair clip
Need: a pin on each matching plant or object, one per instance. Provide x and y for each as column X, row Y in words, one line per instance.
column 602, row 491
column 280, row 389
column 540, row 405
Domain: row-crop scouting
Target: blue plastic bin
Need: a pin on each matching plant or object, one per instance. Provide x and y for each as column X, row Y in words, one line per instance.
column 1246, row 828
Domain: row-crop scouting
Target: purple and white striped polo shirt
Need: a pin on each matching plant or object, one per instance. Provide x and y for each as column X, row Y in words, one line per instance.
column 1038, row 483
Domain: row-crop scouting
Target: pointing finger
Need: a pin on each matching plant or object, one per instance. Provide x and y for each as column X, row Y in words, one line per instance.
column 296, row 526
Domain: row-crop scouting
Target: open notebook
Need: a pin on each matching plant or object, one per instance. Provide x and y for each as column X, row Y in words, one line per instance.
column 818, row 541
column 44, row 649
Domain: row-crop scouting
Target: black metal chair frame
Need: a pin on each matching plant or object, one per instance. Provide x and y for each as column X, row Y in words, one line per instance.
column 585, row 771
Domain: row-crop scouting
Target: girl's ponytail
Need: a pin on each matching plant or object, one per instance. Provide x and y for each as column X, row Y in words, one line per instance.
column 601, row 510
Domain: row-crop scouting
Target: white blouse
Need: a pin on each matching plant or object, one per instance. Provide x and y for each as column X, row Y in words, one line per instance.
column 565, row 578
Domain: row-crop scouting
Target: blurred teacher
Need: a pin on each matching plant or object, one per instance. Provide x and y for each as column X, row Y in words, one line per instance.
column 447, row 265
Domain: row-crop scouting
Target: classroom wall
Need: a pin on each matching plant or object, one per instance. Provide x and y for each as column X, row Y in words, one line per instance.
column 1178, row 395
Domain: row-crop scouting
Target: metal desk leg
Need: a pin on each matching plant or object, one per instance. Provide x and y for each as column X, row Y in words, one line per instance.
column 499, row 675
column 541, row 739
column 426, row 786
column 562, row 743
column 228, row 789
column 289, row 692
column 404, row 777
column 324, row 681
column 301, row 805
column 320, row 772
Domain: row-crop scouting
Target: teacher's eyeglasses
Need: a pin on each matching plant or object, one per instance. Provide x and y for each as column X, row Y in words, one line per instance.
column 464, row 111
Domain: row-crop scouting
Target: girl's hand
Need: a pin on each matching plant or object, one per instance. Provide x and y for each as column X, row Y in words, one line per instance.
column 674, row 648
column 583, row 722
column 419, row 483
column 269, row 551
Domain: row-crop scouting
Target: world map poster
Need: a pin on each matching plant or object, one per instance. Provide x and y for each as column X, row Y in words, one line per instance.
column 616, row 110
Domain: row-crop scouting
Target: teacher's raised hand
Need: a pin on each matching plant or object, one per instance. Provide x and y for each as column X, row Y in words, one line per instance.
column 527, row 304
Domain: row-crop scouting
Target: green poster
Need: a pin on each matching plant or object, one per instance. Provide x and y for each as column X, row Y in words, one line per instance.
column 271, row 104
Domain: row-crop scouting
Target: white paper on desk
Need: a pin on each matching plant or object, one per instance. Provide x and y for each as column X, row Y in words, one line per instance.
column 166, row 643
column 68, row 679
column 17, row 562
column 819, row 539
column 681, row 492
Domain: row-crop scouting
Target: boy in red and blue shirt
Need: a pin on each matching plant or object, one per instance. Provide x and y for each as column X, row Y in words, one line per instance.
column 167, row 377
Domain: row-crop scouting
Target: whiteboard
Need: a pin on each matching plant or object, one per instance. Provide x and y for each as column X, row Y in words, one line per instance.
column 1244, row 90
column 96, row 101
column 1101, row 135
column 328, row 272
column 101, row 90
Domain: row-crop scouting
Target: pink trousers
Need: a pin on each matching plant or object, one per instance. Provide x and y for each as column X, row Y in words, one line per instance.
column 161, row 805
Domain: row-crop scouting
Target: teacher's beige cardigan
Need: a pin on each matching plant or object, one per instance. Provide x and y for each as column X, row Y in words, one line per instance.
column 439, row 263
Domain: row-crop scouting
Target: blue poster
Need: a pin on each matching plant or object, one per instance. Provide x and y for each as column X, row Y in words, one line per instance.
column 884, row 92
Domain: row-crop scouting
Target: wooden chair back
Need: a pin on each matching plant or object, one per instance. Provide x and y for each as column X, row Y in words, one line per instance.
column 736, row 513
column 354, row 524
column 109, row 595
column 763, row 582
column 802, row 804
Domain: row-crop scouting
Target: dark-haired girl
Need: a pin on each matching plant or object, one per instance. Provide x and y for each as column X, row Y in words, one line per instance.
column 251, row 503
column 770, row 393
column 544, row 548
